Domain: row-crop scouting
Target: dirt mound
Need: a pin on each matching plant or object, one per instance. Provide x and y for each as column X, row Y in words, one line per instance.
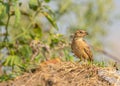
column 61, row 74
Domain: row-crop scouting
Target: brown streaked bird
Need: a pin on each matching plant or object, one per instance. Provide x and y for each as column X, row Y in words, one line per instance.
column 79, row 46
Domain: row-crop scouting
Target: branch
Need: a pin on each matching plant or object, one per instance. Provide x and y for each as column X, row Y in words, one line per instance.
column 6, row 27
column 22, row 12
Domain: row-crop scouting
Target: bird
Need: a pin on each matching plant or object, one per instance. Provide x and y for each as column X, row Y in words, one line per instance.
column 79, row 46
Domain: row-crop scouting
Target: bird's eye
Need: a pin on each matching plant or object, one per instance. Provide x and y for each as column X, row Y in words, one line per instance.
column 80, row 32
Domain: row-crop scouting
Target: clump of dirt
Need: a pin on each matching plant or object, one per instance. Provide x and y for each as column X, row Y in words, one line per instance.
column 61, row 74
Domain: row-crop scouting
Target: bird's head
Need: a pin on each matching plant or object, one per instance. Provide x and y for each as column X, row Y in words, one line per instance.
column 80, row 33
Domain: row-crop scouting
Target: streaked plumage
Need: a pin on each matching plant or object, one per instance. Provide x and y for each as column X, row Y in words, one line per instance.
column 79, row 47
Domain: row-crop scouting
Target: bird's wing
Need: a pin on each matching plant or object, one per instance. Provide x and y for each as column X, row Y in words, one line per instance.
column 88, row 52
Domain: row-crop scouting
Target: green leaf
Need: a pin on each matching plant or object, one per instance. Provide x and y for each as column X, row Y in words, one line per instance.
column 33, row 4
column 7, row 7
column 49, row 10
column 6, row 77
column 1, row 23
column 54, row 42
column 17, row 15
column 47, row 1
column 50, row 19
column 38, row 32
column 71, row 58
column 14, row 0
column 25, row 51
column 2, row 11
column 12, row 60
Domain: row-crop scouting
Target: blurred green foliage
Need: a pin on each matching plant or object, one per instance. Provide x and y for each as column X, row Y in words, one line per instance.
column 22, row 22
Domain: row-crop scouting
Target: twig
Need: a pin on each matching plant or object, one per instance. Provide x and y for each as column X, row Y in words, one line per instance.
column 29, row 25
column 6, row 27
column 12, row 13
column 31, row 78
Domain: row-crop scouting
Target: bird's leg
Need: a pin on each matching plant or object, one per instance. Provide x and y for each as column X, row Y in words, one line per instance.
column 90, row 62
column 115, row 66
column 85, row 62
column 79, row 61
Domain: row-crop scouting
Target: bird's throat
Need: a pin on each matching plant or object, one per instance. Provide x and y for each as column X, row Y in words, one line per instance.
column 78, row 38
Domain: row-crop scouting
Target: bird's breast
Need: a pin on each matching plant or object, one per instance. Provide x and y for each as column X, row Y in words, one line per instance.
column 77, row 45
